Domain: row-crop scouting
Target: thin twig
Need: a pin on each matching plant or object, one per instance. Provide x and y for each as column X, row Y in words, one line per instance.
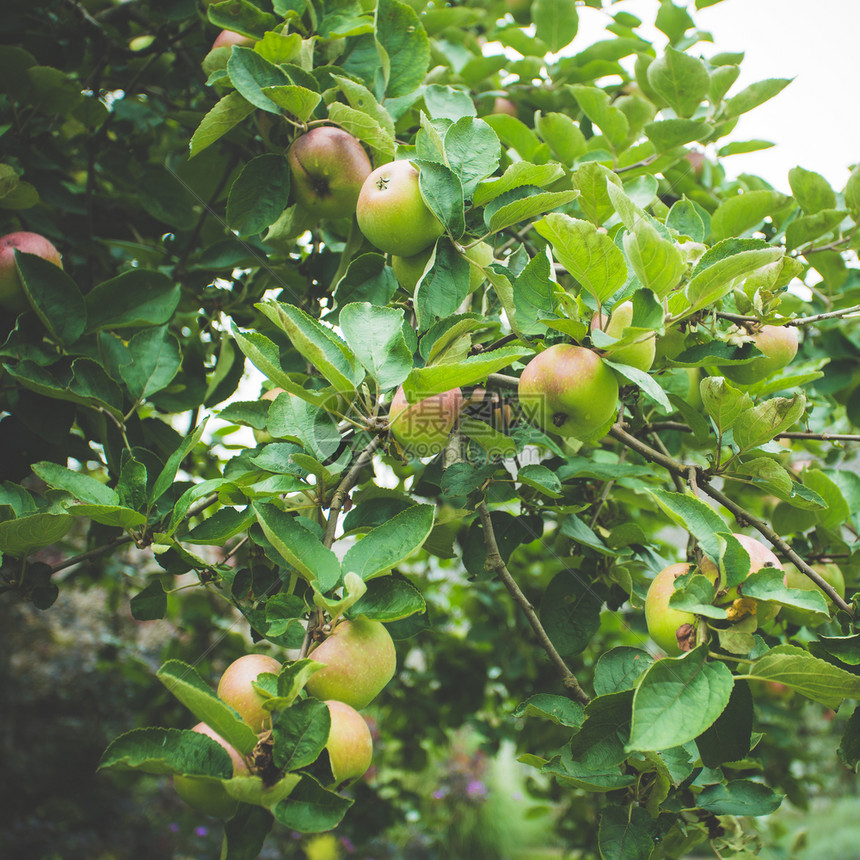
column 797, row 321
column 679, row 426
column 740, row 513
column 495, row 560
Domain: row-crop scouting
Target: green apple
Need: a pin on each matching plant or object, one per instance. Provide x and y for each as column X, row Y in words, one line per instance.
column 409, row 270
column 328, row 167
column 12, row 295
column 738, row 605
column 358, row 660
column 794, row 578
column 779, row 345
column 640, row 354
column 568, row 390
column 205, row 794
column 423, row 427
column 235, row 688
column 349, row 744
column 392, row 213
column 674, row 630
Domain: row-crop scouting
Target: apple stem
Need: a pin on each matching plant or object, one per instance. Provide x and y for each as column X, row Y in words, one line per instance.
column 495, row 560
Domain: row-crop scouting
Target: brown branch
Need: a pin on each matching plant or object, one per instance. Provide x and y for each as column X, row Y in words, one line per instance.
column 495, row 560
column 815, row 437
column 740, row 513
column 797, row 321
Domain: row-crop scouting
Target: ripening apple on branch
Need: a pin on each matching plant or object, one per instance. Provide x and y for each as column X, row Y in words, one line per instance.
column 779, row 347
column 423, row 428
column 12, row 295
column 392, row 213
column 349, row 744
column 639, row 354
column 328, row 167
column 235, row 688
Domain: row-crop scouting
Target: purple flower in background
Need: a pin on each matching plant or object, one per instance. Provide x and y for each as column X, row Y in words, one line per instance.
column 173, row 827
column 440, row 793
column 201, row 831
column 347, row 844
column 476, row 789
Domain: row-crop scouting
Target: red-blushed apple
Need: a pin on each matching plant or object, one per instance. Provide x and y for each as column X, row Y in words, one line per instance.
column 235, row 688
column 408, row 270
column 423, row 427
column 328, row 167
column 794, row 578
column 568, row 390
column 204, row 794
column 227, row 38
column 358, row 660
column 639, row 354
column 12, row 295
column 737, row 605
column 349, row 744
column 779, row 347
column 674, row 630
column 392, row 213
column 503, row 105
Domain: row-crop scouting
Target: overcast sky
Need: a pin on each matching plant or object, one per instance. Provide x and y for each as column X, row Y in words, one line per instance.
column 815, row 121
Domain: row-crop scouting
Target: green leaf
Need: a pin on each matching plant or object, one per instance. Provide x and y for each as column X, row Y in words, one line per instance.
column 540, row 478
column 21, row 536
column 166, row 751
column 516, row 175
column 768, row 584
column 741, row 213
column 171, row 467
column 81, row 486
column 149, row 604
column 556, row 22
column 317, row 563
column 827, row 490
column 681, row 80
column 590, row 256
column 723, row 402
column 596, row 105
column 619, row 669
column 442, row 290
column 657, row 262
column 684, row 218
column 166, row 197
column 557, row 709
column 54, row 296
column 808, row 227
column 245, row 833
column 754, row 95
column 365, row 128
column 318, row 344
column 230, row 111
column 118, row 516
column 259, row 194
column 250, row 73
column 810, row 676
column 311, row 808
column 647, row 383
column 740, row 147
column 154, row 359
column 755, row 426
column 296, row 100
column 291, row 417
column 768, row 475
column 624, row 834
column 133, row 299
column 677, row 699
column 472, row 150
column 692, row 514
column 739, row 797
column 696, row 596
column 188, row 687
column 443, row 193
column 811, row 190
column 387, row 599
column 301, row 732
column 241, row 16
column 729, row 738
column 852, row 192
column 666, row 134
column 404, row 45
column 435, row 378
column 570, row 612
column 564, row 137
column 391, row 543
column 368, row 279
column 495, row 443
column 535, row 204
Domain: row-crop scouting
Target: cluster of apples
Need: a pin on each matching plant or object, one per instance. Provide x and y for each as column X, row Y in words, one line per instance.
column 674, row 630
column 358, row 660
column 12, row 295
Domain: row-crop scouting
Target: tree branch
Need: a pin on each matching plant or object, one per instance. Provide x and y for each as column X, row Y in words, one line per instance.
column 495, row 560
column 815, row 437
column 797, row 321
column 739, row 513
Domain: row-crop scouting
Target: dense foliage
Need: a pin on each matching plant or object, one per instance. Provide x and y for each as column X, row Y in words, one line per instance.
column 507, row 547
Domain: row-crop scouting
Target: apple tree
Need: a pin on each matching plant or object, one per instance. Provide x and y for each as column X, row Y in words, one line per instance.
column 541, row 400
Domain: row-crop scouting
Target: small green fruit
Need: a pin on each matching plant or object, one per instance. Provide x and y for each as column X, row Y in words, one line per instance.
column 409, row 270
column 358, row 660
column 779, row 345
column 639, row 354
